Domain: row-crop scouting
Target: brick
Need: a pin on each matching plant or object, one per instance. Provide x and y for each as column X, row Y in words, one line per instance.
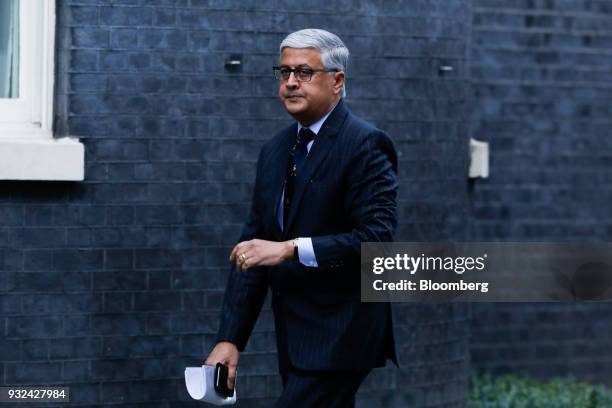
column 74, row 348
column 159, row 171
column 195, row 323
column 77, row 260
column 116, row 370
column 38, row 260
column 114, row 60
column 116, row 346
column 121, row 150
column 87, row 104
column 35, row 304
column 193, row 301
column 90, row 215
column 119, row 259
column 10, row 350
column 120, row 171
column 76, row 325
column 125, row 324
column 196, row 149
column 10, row 304
column 26, row 373
column 159, row 323
column 38, row 281
column 162, row 39
column 85, row 393
column 121, row 193
column 155, row 346
column 157, row 258
column 161, row 301
column 198, row 40
column 120, row 215
column 88, row 82
column 35, row 350
column 159, row 280
column 125, row 16
column 12, row 215
column 82, row 15
column 164, row 17
column 74, row 371
column 117, row 302
column 79, row 237
column 124, row 38
column 126, row 280
column 158, row 237
column 77, row 281
column 89, row 37
column 34, row 326
column 75, row 303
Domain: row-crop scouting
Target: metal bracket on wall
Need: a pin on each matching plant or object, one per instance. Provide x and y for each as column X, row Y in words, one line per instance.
column 233, row 63
column 445, row 69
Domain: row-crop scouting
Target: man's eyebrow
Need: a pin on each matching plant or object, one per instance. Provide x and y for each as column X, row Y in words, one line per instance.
column 297, row 66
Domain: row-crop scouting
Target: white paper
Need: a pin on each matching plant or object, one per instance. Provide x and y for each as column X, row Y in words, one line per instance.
column 200, row 382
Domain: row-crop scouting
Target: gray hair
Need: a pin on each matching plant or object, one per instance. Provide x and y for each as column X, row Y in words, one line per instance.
column 334, row 54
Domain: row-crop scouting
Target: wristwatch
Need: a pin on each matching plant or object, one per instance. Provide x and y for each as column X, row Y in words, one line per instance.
column 296, row 256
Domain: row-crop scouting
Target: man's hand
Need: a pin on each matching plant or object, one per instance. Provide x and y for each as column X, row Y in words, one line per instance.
column 258, row 252
column 226, row 353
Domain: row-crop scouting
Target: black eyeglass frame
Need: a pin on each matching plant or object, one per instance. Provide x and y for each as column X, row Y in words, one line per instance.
column 278, row 75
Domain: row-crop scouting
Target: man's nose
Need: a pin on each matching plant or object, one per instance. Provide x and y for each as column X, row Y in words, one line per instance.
column 292, row 81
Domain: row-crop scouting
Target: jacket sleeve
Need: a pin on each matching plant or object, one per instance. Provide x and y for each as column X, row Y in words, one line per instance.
column 370, row 202
column 245, row 291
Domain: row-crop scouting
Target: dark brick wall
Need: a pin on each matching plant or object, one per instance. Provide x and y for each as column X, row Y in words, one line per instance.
column 113, row 285
column 541, row 76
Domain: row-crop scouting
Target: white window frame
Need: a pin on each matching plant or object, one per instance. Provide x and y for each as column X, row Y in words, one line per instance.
column 28, row 150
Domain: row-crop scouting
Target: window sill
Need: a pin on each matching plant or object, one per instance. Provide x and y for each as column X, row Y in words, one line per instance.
column 42, row 159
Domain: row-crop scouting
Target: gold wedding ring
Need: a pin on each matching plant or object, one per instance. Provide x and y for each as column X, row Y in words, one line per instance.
column 242, row 258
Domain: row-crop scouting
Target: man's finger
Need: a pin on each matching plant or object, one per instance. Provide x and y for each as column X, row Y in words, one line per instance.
column 251, row 260
column 212, row 361
column 235, row 250
column 231, row 376
column 241, row 261
column 233, row 253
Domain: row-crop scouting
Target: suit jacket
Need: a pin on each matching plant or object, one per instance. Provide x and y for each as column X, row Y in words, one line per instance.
column 345, row 194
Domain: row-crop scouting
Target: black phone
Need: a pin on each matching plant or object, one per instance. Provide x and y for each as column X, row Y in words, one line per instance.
column 221, row 374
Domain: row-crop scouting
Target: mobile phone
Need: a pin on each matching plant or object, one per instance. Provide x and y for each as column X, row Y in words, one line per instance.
column 221, row 374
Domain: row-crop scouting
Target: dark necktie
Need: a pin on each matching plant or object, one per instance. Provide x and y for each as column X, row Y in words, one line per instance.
column 297, row 155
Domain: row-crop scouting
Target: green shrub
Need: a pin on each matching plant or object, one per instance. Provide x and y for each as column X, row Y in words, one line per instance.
column 511, row 391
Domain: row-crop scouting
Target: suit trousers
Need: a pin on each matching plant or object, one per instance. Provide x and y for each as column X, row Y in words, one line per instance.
column 320, row 389
column 314, row 388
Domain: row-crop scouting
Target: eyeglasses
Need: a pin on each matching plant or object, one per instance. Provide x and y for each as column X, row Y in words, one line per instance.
column 301, row 74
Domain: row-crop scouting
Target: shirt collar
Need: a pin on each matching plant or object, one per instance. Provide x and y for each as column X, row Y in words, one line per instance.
column 315, row 127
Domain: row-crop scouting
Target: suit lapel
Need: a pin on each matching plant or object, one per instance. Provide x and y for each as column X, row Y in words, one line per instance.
column 320, row 149
column 278, row 163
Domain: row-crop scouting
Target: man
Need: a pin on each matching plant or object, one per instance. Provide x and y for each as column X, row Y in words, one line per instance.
column 323, row 186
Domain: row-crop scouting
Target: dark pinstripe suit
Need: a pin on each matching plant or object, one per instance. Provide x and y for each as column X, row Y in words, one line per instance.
column 344, row 195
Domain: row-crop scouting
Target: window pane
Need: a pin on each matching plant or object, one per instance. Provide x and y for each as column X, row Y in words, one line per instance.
column 9, row 48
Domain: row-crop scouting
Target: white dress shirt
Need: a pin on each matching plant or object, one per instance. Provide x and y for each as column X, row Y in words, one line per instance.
column 305, row 249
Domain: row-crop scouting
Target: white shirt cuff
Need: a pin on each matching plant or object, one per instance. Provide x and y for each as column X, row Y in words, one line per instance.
column 306, row 252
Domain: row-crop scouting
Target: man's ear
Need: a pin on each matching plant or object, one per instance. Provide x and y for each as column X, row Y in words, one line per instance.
column 338, row 82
